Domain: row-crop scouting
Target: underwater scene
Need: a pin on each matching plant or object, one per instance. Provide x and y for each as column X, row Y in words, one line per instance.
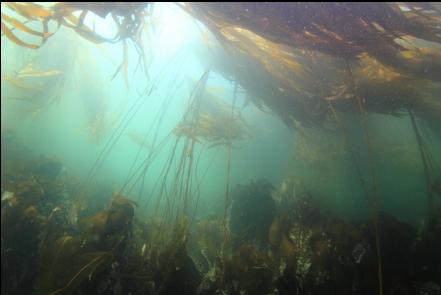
column 221, row 148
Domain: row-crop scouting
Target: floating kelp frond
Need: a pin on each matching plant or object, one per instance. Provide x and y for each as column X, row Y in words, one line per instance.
column 30, row 71
column 127, row 17
column 22, row 27
column 216, row 131
column 17, row 83
column 39, row 88
column 213, row 123
column 31, row 12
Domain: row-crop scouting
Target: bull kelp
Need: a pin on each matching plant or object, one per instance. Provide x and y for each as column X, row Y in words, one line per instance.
column 220, row 148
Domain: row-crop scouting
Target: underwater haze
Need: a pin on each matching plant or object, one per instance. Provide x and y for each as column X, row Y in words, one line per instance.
column 205, row 154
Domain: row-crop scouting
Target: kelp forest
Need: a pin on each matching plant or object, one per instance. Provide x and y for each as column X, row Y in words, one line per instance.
column 221, row 148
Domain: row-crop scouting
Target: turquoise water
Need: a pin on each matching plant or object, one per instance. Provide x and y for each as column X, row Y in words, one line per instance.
column 65, row 128
column 117, row 133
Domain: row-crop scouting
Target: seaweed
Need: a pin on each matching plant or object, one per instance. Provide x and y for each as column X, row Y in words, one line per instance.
column 337, row 29
column 251, row 214
column 390, row 73
column 68, row 265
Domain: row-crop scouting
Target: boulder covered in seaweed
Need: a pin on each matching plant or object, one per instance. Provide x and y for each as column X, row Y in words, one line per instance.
column 251, row 214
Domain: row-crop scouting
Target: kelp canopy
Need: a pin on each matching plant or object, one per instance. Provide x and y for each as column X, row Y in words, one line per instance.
column 311, row 57
column 343, row 30
column 279, row 44
column 127, row 16
column 307, row 62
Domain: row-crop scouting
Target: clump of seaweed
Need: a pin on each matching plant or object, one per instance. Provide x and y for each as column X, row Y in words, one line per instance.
column 129, row 19
column 38, row 88
column 80, row 258
column 205, row 244
column 211, row 121
column 252, row 211
column 68, row 265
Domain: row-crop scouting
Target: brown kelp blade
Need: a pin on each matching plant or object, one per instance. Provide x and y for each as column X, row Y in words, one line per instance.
column 22, row 27
column 30, row 10
column 8, row 33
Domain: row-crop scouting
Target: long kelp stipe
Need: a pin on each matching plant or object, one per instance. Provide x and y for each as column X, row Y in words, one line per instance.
column 375, row 197
column 429, row 166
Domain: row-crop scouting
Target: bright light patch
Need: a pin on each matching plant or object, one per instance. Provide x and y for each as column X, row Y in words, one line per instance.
column 104, row 27
column 174, row 25
column 171, row 26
